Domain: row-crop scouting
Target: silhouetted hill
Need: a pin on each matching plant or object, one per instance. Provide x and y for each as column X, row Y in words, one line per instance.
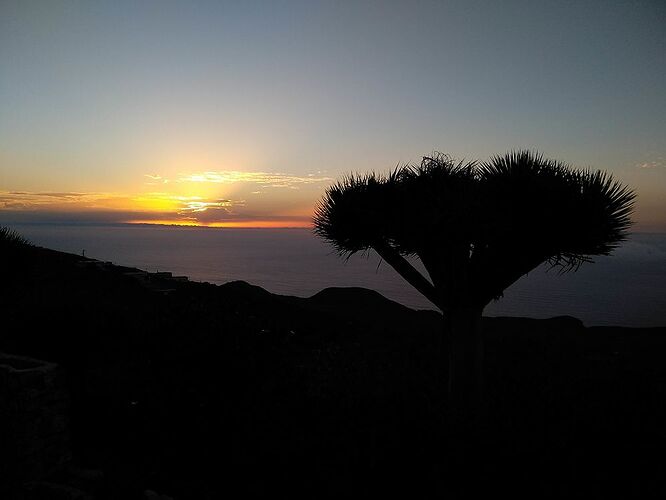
column 191, row 389
column 355, row 300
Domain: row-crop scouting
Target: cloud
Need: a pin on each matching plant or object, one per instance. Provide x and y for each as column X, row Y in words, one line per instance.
column 262, row 179
column 196, row 206
column 155, row 179
column 65, row 195
column 24, row 200
column 207, row 211
column 659, row 162
column 41, row 216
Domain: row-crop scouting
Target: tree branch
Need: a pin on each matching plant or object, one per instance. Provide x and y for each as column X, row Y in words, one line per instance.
column 408, row 272
column 496, row 273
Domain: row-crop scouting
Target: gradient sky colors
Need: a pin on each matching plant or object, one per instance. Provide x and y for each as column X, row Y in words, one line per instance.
column 241, row 113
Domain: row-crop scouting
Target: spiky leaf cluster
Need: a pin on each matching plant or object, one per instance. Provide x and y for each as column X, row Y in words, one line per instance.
column 11, row 239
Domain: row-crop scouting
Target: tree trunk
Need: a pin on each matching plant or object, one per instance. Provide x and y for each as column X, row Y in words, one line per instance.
column 465, row 369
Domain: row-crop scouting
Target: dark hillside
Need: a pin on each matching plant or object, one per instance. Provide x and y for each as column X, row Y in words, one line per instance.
column 190, row 389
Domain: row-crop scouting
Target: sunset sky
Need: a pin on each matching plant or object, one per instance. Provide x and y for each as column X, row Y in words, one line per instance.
column 241, row 113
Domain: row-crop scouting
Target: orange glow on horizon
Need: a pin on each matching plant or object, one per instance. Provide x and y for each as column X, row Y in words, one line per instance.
column 257, row 224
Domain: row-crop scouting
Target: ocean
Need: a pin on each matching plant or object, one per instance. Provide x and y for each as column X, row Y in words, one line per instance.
column 625, row 289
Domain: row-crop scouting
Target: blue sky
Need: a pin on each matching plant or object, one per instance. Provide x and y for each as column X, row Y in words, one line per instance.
column 117, row 106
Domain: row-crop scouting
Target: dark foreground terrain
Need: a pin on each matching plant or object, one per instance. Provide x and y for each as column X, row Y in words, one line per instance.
column 199, row 391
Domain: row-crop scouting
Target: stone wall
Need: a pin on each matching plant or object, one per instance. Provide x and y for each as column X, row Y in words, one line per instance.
column 34, row 438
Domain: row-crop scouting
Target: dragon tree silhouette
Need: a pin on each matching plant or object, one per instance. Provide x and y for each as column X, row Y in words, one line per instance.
column 477, row 227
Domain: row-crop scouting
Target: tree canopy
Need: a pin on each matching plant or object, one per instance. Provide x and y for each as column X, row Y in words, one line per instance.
column 476, row 226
